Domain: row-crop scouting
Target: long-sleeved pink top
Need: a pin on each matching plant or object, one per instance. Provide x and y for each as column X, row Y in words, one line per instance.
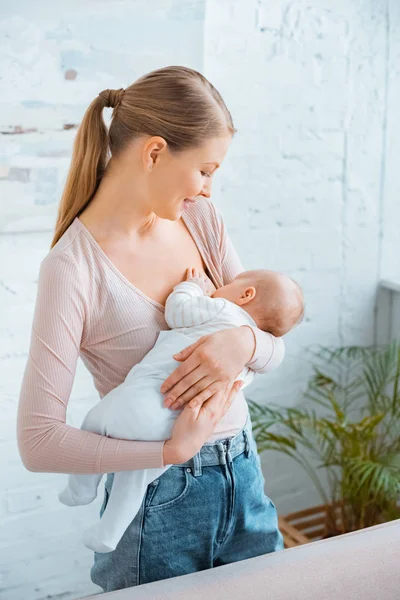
column 85, row 307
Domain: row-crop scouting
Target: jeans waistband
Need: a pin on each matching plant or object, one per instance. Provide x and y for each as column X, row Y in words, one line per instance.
column 222, row 451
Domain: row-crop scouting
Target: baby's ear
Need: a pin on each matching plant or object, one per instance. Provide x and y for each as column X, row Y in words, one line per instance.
column 247, row 296
column 250, row 293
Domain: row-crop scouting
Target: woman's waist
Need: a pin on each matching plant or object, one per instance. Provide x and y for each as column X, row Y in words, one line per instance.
column 233, row 421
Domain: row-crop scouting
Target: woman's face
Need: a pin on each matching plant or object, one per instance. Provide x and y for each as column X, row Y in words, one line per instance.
column 176, row 180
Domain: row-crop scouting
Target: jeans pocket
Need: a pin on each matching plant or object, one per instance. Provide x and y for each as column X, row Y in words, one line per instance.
column 105, row 501
column 168, row 490
column 271, row 503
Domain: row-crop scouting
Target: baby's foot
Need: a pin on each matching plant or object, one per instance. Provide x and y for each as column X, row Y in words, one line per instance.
column 91, row 540
column 71, row 498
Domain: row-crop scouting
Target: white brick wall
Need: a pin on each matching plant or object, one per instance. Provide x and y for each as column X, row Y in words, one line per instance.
column 309, row 186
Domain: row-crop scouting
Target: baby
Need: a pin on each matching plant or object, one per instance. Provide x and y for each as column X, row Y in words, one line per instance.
column 134, row 410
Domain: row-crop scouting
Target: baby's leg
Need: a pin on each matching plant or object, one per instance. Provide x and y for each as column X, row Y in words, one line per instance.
column 140, row 416
column 131, row 411
column 135, row 410
column 82, row 489
column 127, row 493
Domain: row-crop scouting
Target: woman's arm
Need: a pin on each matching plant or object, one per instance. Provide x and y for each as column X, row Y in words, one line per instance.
column 206, row 364
column 268, row 350
column 46, row 443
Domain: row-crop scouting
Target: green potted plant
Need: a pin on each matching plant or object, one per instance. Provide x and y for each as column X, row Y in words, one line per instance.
column 354, row 436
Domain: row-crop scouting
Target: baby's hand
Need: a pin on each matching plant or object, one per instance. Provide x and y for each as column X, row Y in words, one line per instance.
column 200, row 278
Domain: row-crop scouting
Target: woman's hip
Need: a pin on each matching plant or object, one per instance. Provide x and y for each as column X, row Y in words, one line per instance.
column 194, row 515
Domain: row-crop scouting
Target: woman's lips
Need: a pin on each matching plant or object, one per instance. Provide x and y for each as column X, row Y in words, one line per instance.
column 188, row 201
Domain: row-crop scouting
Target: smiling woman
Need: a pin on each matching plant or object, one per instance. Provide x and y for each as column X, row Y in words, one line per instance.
column 134, row 215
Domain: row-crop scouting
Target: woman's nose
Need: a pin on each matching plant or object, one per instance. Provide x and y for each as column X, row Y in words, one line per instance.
column 206, row 191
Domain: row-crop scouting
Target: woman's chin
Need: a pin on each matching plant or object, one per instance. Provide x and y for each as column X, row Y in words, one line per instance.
column 173, row 214
column 170, row 215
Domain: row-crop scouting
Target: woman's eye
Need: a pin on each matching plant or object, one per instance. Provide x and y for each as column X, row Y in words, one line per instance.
column 205, row 174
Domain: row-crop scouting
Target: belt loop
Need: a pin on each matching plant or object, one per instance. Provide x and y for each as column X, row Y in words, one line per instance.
column 247, row 449
column 222, row 453
column 197, row 465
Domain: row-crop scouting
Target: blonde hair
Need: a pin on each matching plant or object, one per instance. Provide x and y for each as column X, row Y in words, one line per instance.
column 176, row 103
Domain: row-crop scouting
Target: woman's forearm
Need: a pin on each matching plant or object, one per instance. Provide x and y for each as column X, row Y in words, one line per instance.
column 48, row 446
column 251, row 340
column 269, row 352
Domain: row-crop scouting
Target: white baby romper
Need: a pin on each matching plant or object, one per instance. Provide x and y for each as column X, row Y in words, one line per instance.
column 134, row 410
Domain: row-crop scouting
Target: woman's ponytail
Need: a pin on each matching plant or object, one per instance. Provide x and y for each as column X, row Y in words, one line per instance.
column 88, row 162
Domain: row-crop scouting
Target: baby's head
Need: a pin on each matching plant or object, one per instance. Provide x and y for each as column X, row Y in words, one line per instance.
column 272, row 299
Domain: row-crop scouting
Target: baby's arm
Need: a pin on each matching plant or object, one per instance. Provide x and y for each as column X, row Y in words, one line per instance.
column 188, row 305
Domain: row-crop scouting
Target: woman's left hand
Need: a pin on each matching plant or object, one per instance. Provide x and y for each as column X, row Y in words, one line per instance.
column 207, row 366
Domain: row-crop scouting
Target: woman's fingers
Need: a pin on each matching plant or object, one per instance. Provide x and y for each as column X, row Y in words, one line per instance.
column 205, row 394
column 184, row 385
column 218, row 405
column 177, row 375
column 234, row 390
column 194, row 426
column 199, row 393
column 186, row 352
column 189, row 363
column 195, row 391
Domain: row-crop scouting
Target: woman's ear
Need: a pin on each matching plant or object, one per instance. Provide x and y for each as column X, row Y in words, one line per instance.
column 151, row 151
column 247, row 295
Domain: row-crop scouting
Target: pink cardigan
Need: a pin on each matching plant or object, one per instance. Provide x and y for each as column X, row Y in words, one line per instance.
column 85, row 307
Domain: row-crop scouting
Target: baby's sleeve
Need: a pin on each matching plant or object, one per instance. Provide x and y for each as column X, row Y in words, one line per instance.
column 187, row 306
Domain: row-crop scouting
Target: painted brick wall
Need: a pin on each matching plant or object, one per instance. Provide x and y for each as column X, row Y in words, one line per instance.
column 308, row 187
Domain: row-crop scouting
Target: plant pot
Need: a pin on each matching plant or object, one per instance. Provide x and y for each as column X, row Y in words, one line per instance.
column 312, row 524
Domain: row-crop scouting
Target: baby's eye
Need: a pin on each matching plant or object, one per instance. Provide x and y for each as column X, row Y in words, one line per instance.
column 205, row 174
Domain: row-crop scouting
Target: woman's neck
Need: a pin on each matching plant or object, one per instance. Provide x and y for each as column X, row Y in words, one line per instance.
column 116, row 210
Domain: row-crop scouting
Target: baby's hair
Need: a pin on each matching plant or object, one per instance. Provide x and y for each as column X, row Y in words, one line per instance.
column 269, row 315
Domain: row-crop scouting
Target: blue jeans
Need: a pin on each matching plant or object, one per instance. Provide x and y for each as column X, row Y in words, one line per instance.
column 206, row 512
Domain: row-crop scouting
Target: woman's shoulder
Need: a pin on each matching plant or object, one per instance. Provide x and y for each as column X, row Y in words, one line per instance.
column 65, row 259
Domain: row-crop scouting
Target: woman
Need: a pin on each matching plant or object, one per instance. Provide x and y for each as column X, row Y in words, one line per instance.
column 128, row 227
